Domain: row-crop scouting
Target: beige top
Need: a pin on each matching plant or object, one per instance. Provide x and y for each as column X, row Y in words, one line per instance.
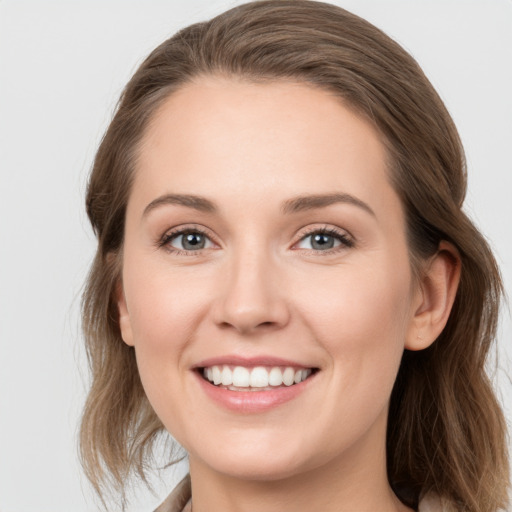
column 180, row 500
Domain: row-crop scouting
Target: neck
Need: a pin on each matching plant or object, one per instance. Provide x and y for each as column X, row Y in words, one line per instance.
column 351, row 482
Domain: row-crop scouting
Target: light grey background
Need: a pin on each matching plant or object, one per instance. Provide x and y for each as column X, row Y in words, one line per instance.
column 62, row 67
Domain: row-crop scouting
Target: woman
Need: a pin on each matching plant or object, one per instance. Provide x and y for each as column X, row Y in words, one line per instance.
column 285, row 281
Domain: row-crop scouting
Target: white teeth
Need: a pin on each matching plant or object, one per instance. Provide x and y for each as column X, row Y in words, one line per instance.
column 241, row 377
column 275, row 377
column 288, row 377
column 216, row 375
column 226, row 376
column 259, row 377
column 256, row 378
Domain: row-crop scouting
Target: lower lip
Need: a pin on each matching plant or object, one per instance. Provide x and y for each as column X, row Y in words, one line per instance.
column 252, row 401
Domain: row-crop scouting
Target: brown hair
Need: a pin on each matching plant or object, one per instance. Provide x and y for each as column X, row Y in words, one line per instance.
column 446, row 431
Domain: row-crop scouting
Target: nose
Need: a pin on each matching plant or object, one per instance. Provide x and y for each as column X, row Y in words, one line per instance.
column 252, row 297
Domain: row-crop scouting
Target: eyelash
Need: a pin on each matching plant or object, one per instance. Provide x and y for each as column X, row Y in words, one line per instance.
column 346, row 241
column 168, row 237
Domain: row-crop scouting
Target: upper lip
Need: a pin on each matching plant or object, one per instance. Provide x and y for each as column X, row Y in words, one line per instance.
column 263, row 360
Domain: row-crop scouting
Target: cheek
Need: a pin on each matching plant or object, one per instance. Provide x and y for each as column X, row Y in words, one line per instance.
column 360, row 321
column 163, row 304
column 360, row 317
column 164, row 309
column 358, row 301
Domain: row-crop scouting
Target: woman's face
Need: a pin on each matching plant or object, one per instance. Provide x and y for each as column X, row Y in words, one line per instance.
column 262, row 232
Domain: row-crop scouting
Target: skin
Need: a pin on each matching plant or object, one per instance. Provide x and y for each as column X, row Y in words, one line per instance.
column 259, row 287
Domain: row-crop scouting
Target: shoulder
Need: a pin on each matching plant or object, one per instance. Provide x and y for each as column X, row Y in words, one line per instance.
column 179, row 499
column 431, row 503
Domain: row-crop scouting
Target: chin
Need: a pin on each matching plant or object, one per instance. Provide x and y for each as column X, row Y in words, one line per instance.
column 258, row 469
column 258, row 460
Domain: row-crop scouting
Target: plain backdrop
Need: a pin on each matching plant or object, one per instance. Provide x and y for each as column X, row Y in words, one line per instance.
column 62, row 67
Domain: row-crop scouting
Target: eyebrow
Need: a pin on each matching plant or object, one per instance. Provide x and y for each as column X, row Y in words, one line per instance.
column 304, row 203
column 294, row 205
column 190, row 201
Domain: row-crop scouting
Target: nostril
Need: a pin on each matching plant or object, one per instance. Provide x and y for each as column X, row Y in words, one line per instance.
column 247, row 327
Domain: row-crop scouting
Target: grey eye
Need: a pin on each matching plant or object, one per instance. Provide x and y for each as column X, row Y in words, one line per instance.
column 319, row 242
column 190, row 241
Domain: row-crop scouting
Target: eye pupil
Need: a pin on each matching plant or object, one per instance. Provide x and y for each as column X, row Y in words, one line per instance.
column 322, row 241
column 193, row 241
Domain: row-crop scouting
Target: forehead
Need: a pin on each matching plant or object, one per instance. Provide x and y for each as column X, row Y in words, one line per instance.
column 260, row 142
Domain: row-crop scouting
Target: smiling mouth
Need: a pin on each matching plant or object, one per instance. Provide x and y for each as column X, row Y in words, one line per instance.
column 257, row 378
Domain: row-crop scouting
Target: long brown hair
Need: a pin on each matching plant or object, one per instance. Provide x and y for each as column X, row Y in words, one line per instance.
column 446, row 431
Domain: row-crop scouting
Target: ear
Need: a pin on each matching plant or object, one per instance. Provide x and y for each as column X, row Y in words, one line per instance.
column 124, row 316
column 434, row 297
